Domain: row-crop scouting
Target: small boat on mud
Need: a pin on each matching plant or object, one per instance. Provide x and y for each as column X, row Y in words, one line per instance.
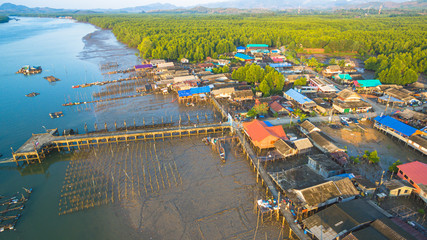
column 33, row 94
column 75, row 86
column 222, row 153
column 56, row 114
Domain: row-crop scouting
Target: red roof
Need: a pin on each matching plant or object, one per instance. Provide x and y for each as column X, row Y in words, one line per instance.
column 263, row 136
column 416, row 171
column 276, row 106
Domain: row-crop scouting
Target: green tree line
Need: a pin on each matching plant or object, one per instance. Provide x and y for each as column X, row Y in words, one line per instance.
column 196, row 37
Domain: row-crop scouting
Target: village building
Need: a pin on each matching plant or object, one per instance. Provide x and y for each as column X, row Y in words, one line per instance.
column 364, row 185
column 326, row 193
column 385, row 99
column 243, row 95
column 262, row 136
column 284, row 149
column 303, row 145
column 366, row 85
column 276, row 107
column 412, row 118
column 402, row 95
column 140, row 68
column 251, row 47
column 331, row 70
column 415, row 173
column 280, row 65
column 185, row 60
column 307, row 127
column 386, row 228
column 193, row 94
column 348, row 101
column 215, row 77
column 223, row 92
column 243, row 57
column 323, row 165
column 340, row 219
column 343, row 78
column 303, row 102
column 155, row 62
column 166, row 65
column 322, row 107
column 322, row 86
column 396, row 188
column 299, row 177
column 241, row 49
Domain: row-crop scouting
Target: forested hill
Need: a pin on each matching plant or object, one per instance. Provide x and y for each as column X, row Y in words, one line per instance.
column 4, row 19
column 398, row 43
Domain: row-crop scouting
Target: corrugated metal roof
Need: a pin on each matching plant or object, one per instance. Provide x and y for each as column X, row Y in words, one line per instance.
column 301, row 99
column 192, row 91
column 367, row 83
column 243, row 56
column 240, row 47
column 396, row 125
column 256, row 45
column 416, row 171
column 278, row 65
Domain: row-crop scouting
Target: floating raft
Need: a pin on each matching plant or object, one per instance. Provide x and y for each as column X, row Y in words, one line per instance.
column 28, row 70
column 33, row 94
column 56, row 114
column 52, row 79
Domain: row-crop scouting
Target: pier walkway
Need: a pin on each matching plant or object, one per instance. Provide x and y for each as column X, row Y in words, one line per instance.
column 36, row 148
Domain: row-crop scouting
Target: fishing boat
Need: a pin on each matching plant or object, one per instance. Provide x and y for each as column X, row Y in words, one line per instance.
column 68, row 104
column 222, row 153
column 33, row 94
column 56, row 114
column 75, row 86
column 190, row 104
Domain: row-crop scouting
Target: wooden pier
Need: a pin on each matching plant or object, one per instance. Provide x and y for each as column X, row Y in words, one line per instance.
column 39, row 145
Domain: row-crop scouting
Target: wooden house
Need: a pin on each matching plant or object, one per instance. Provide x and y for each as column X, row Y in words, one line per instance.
column 243, row 95
column 395, row 188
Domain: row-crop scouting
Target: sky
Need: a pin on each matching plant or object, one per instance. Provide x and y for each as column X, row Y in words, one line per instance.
column 92, row 4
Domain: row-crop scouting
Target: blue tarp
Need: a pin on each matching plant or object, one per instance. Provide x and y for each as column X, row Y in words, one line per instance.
column 346, row 175
column 279, row 65
column 395, row 124
column 301, row 99
column 268, row 124
column 241, row 48
column 289, row 109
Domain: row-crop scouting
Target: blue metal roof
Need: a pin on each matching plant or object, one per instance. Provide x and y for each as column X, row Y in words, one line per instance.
column 184, row 93
column 268, row 124
column 396, row 125
column 243, row 56
column 301, row 99
column 240, row 47
column 199, row 90
column 278, row 65
column 193, row 91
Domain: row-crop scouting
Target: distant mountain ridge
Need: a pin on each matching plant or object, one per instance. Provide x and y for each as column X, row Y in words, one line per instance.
column 230, row 7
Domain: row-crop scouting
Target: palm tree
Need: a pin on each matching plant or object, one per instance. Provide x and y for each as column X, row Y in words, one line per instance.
column 302, row 116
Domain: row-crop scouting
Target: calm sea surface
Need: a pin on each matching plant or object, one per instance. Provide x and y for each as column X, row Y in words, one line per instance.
column 61, row 48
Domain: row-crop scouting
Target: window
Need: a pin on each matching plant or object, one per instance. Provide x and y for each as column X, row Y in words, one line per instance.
column 406, row 176
column 400, row 171
column 412, row 182
column 406, row 190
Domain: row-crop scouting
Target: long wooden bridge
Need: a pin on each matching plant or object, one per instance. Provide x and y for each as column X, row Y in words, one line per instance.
column 38, row 146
